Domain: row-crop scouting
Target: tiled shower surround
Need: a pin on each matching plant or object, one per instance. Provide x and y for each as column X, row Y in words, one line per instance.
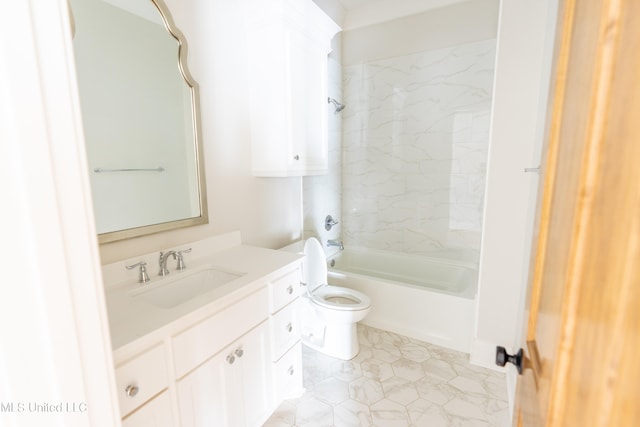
column 415, row 144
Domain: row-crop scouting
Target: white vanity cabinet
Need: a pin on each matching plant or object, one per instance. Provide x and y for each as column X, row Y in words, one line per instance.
column 288, row 44
column 226, row 360
column 286, row 353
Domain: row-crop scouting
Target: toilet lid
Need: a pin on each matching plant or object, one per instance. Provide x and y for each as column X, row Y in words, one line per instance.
column 339, row 298
column 314, row 265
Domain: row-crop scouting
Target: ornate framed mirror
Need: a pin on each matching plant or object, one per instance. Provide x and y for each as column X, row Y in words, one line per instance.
column 141, row 116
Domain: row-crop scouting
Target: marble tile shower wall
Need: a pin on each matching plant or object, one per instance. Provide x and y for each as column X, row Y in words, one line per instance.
column 415, row 145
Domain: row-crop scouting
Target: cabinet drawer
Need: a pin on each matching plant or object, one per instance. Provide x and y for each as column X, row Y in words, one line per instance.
column 288, row 374
column 285, row 329
column 208, row 337
column 141, row 378
column 284, row 290
column 156, row 413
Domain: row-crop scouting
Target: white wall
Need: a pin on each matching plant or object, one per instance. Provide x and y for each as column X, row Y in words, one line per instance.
column 267, row 211
column 322, row 194
column 521, row 87
column 444, row 27
column 361, row 13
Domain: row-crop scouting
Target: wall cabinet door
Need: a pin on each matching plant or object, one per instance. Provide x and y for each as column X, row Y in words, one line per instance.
column 288, row 47
column 231, row 388
column 308, row 151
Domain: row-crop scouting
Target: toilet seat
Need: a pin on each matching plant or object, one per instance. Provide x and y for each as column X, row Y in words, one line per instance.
column 339, row 298
column 333, row 297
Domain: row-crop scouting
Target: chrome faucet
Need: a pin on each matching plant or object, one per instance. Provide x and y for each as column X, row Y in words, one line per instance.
column 337, row 243
column 181, row 265
column 163, row 262
column 143, row 277
column 176, row 255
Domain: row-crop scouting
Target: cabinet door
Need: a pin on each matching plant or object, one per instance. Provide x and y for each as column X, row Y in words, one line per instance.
column 232, row 388
column 204, row 393
column 308, row 106
column 254, row 375
column 155, row 413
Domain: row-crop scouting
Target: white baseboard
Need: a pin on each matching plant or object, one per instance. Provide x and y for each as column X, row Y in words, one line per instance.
column 483, row 354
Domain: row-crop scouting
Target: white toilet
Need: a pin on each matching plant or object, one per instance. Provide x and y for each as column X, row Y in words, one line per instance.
column 329, row 313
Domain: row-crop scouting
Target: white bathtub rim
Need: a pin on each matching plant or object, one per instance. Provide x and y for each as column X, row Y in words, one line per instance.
column 412, row 256
column 469, row 293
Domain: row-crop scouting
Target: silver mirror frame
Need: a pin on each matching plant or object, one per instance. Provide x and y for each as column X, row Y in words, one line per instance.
column 198, row 145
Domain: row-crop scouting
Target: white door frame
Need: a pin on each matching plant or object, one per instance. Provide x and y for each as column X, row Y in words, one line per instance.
column 56, row 365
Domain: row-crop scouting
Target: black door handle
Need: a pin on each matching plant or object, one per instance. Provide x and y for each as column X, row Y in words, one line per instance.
column 502, row 358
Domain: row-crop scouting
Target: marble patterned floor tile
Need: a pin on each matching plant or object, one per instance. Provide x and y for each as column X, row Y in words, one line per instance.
column 387, row 413
column 366, row 390
column 346, row 371
column 376, row 369
column 400, row 390
column 351, row 413
column 395, row 381
column 332, row 391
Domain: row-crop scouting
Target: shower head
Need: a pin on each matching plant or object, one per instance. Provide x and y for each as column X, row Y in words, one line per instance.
column 339, row 106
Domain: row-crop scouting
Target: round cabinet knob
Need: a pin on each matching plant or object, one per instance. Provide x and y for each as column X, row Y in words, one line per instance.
column 230, row 359
column 296, row 157
column 290, row 290
column 289, row 327
column 131, row 390
column 239, row 352
column 290, row 371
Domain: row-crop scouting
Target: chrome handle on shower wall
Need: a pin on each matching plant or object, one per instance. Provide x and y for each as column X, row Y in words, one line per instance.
column 329, row 222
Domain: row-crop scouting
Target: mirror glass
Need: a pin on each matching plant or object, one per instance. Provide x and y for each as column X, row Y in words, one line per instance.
column 141, row 118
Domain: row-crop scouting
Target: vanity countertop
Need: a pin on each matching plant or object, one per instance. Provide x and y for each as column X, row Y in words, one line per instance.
column 135, row 324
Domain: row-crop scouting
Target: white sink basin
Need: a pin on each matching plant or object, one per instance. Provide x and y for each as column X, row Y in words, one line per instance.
column 172, row 291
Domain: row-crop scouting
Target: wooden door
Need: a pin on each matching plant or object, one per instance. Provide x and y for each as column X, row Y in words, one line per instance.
column 583, row 335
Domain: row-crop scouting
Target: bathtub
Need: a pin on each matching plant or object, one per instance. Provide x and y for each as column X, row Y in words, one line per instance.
column 426, row 298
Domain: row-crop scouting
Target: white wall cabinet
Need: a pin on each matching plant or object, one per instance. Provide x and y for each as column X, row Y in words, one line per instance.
column 288, row 46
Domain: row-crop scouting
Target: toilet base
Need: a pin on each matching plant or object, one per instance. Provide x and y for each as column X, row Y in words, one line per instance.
column 340, row 341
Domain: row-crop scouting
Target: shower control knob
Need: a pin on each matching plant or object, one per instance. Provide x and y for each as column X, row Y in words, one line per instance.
column 502, row 358
column 329, row 222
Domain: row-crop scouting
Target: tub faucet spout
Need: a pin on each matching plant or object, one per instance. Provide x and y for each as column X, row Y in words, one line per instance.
column 337, row 243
